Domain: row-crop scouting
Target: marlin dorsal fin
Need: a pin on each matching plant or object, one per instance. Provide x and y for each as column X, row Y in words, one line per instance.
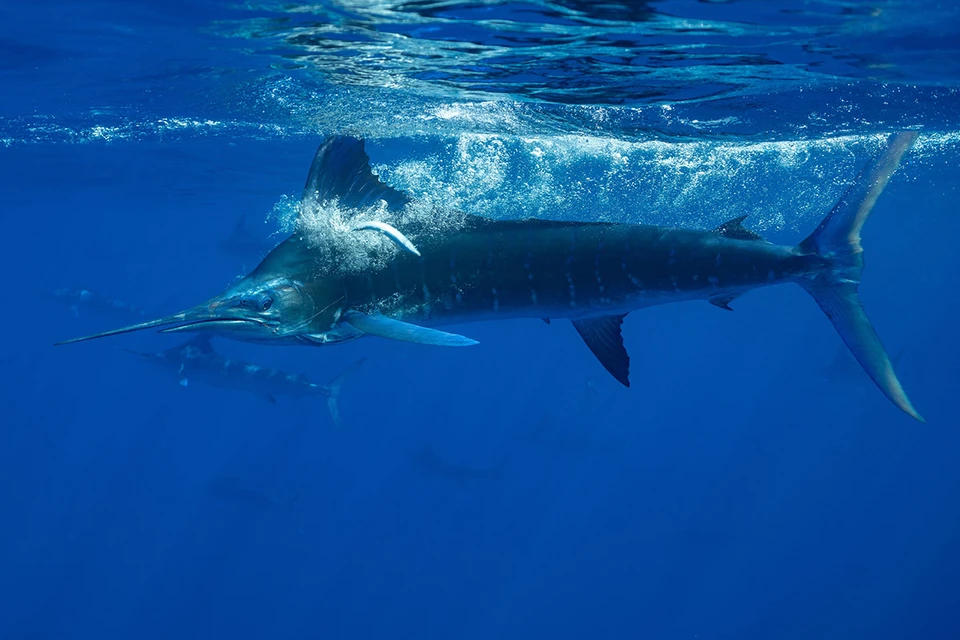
column 341, row 171
column 735, row 229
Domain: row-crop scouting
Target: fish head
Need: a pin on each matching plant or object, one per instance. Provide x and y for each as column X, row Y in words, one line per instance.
column 253, row 309
column 288, row 297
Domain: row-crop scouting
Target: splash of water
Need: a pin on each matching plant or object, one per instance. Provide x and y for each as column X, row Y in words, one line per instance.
column 790, row 185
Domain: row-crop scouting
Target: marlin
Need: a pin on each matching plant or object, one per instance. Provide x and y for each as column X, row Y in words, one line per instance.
column 197, row 359
column 312, row 290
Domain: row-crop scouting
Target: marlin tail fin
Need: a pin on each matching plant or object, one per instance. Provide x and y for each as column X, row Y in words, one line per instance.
column 836, row 241
column 333, row 390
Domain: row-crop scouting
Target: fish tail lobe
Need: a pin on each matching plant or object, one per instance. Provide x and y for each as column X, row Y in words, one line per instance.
column 332, row 390
column 836, row 245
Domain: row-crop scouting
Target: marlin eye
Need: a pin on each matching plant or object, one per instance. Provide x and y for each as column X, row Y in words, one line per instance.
column 266, row 303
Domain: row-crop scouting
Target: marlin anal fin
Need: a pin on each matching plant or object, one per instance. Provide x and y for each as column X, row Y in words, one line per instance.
column 603, row 337
column 341, row 171
column 836, row 241
column 723, row 301
column 735, row 229
column 391, row 232
column 384, row 327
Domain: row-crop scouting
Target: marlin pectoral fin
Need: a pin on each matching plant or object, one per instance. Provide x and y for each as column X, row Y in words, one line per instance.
column 391, row 232
column 380, row 325
column 604, row 339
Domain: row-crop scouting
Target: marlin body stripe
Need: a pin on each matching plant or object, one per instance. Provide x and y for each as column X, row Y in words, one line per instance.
column 588, row 272
column 577, row 271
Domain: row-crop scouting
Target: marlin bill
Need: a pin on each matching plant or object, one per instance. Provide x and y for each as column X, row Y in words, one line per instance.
column 312, row 289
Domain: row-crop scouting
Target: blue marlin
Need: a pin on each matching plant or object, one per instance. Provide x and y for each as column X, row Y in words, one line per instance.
column 196, row 359
column 312, row 289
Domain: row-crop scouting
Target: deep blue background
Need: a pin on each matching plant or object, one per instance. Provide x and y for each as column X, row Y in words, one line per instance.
column 742, row 488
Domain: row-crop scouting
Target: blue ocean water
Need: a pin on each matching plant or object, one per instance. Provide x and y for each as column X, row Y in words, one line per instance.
column 752, row 483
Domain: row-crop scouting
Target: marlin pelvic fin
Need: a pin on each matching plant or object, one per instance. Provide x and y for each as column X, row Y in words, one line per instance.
column 341, row 171
column 391, row 329
column 603, row 337
column 836, row 241
column 735, row 229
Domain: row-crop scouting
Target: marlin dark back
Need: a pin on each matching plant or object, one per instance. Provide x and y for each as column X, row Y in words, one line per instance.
column 312, row 290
